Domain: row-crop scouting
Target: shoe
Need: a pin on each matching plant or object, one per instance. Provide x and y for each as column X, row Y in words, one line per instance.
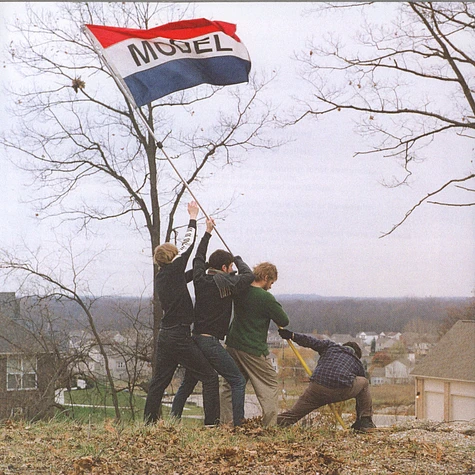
column 364, row 424
column 356, row 425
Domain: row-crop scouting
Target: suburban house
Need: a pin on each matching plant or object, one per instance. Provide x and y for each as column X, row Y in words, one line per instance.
column 123, row 350
column 445, row 378
column 393, row 335
column 26, row 373
column 419, row 343
column 398, row 372
column 368, row 337
column 341, row 338
column 377, row 376
column 384, row 343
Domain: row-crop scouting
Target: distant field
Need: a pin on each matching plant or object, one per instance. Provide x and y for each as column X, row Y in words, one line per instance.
column 394, row 395
column 96, row 404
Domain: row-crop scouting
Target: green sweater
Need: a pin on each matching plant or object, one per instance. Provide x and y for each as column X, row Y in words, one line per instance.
column 253, row 311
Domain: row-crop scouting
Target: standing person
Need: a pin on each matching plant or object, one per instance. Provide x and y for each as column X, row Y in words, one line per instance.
column 175, row 345
column 338, row 376
column 247, row 342
column 214, row 291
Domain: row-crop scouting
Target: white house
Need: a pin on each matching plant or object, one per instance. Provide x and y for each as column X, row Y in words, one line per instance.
column 445, row 378
column 368, row 337
column 398, row 372
column 384, row 343
column 378, row 377
column 393, row 335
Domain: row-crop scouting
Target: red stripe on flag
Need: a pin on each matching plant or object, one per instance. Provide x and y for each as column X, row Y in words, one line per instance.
column 178, row 30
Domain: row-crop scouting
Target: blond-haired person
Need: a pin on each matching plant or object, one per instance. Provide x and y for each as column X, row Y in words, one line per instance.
column 175, row 345
column 246, row 342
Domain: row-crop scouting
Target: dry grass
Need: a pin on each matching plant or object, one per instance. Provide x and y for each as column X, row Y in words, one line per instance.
column 177, row 449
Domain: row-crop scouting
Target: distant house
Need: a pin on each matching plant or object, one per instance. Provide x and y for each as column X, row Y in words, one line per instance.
column 368, row 337
column 393, row 335
column 383, row 343
column 26, row 379
column 341, row 338
column 274, row 340
column 123, row 350
column 419, row 343
column 398, row 372
column 445, row 378
column 378, row 376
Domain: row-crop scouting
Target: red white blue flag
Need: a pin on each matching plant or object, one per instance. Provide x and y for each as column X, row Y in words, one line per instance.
column 173, row 57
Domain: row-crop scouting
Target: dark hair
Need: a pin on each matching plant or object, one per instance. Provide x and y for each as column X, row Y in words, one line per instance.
column 355, row 346
column 220, row 258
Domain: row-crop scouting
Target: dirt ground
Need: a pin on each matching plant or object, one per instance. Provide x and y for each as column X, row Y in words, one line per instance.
column 177, row 449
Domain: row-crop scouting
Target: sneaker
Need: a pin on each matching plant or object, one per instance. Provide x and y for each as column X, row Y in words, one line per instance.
column 364, row 424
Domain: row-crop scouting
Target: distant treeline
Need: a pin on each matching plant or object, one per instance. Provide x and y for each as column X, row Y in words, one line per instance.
column 307, row 313
column 351, row 315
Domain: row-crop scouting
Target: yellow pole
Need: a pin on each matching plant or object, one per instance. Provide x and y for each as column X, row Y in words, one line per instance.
column 309, row 372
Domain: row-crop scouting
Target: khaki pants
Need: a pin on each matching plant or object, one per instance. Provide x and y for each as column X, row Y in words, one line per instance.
column 261, row 373
column 316, row 396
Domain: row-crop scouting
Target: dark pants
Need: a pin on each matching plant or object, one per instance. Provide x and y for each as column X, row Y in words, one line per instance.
column 176, row 347
column 225, row 365
column 316, row 396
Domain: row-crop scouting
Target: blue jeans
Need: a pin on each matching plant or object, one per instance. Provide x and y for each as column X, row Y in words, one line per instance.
column 176, row 347
column 225, row 365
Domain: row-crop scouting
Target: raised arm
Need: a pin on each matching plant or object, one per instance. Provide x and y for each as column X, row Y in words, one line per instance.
column 190, row 235
column 244, row 278
column 199, row 262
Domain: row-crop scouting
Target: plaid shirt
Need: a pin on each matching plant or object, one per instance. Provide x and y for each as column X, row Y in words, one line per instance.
column 337, row 367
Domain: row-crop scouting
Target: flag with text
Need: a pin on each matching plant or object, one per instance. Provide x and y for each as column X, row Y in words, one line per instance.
column 180, row 55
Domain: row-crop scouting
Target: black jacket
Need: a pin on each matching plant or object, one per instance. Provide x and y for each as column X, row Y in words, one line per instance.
column 213, row 308
column 172, row 281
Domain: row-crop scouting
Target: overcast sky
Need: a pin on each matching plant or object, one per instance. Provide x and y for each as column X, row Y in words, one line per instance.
column 311, row 207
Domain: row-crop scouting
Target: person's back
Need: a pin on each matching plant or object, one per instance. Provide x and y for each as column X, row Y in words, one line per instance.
column 214, row 289
column 254, row 309
column 246, row 342
column 174, row 344
column 339, row 376
column 173, row 294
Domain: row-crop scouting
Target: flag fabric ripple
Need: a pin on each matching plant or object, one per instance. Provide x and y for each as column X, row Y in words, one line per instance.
column 175, row 56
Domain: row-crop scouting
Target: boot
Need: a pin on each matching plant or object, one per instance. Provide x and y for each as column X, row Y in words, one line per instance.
column 363, row 424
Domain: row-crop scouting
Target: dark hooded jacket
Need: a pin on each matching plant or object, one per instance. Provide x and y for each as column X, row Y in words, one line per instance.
column 214, row 291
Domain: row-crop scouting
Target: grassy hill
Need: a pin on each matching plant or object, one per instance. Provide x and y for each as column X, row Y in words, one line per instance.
column 69, row 448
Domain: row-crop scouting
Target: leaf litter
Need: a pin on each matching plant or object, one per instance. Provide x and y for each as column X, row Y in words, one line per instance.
column 173, row 448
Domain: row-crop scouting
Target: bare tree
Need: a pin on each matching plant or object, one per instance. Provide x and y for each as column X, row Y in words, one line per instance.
column 456, row 314
column 48, row 280
column 409, row 80
column 75, row 130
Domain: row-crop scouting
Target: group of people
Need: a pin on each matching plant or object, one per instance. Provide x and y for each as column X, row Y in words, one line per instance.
column 191, row 336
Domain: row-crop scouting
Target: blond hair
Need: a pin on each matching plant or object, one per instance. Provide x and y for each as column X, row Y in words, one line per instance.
column 164, row 254
column 263, row 270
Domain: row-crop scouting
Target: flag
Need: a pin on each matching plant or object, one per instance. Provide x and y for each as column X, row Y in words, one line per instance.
column 174, row 56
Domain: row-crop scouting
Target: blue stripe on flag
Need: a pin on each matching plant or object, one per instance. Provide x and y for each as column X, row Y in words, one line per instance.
column 147, row 86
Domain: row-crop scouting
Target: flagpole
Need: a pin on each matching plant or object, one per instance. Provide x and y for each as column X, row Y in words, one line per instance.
column 125, row 90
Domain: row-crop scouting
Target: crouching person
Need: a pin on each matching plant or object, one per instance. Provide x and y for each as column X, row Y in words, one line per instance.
column 338, row 376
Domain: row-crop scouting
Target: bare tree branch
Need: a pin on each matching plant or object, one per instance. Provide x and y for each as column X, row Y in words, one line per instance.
column 408, row 81
column 429, row 195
